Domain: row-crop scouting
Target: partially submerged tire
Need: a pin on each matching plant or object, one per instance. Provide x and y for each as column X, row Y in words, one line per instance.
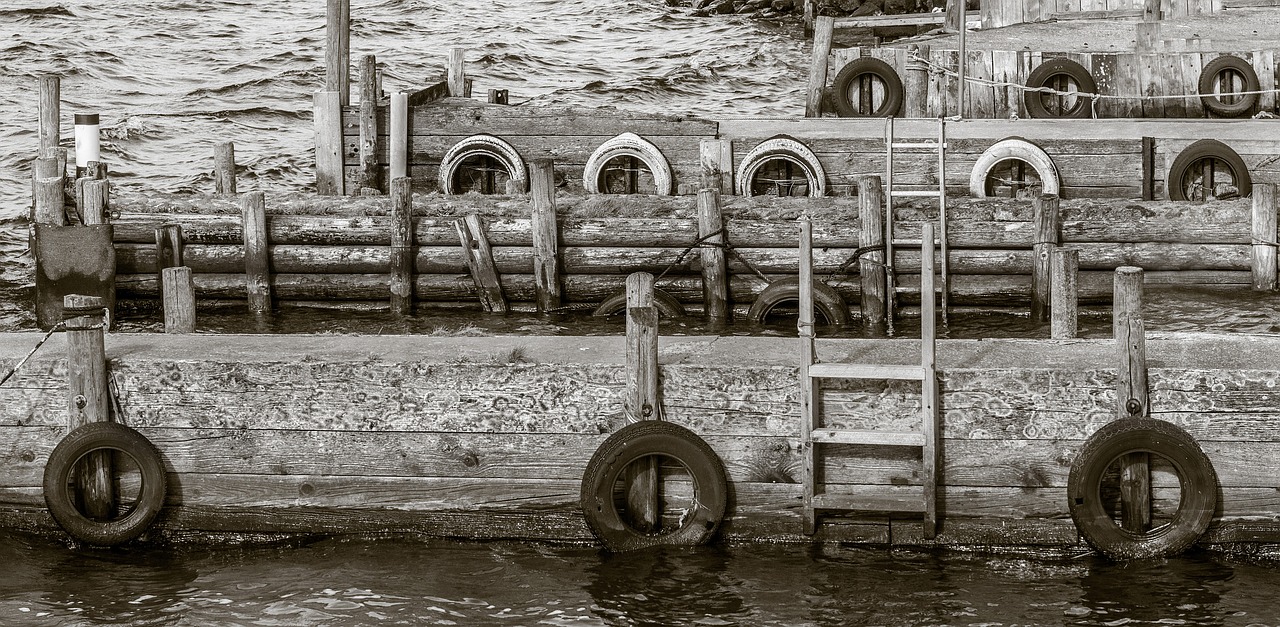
column 642, row 439
column 666, row 303
column 482, row 145
column 1197, row 479
column 789, row 152
column 1211, row 78
column 827, row 302
column 1207, row 157
column 627, row 145
column 59, row 480
column 1013, row 149
column 849, row 83
column 1058, row 73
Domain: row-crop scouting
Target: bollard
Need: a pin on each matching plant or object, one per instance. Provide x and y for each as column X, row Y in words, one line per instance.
column 88, row 143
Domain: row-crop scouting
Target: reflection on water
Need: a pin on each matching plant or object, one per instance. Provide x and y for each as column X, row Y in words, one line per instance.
column 435, row 582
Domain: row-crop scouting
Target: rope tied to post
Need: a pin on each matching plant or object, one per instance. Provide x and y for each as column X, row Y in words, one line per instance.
column 54, row 329
column 702, row 242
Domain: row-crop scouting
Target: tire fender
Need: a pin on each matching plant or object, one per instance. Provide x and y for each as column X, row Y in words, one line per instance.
column 482, row 144
column 1059, row 66
column 1014, row 148
column 628, row 145
column 826, row 300
column 1199, row 483
column 59, row 473
column 851, row 72
column 782, row 147
column 1202, row 149
column 1210, row 73
column 666, row 303
column 642, row 439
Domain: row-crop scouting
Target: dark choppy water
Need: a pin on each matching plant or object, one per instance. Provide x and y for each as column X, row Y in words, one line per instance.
column 367, row 582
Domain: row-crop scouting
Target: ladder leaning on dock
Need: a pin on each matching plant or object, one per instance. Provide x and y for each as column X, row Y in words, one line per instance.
column 891, row 193
column 812, row 432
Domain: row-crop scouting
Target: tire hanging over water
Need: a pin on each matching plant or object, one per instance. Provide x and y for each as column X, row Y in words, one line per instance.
column 826, row 300
column 847, row 79
column 1184, row 167
column 787, row 149
column 628, row 145
column 1021, row 150
column 482, row 145
column 666, row 303
column 1211, row 73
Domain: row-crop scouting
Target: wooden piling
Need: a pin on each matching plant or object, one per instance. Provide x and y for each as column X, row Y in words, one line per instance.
column 49, row 202
column 369, row 169
column 1263, row 255
column 822, row 29
column 94, row 208
column 479, row 256
column 1047, row 220
column 642, row 401
column 715, row 267
column 1132, row 394
column 257, row 261
column 50, row 105
column 716, row 158
column 915, row 84
column 1148, row 168
column 88, row 395
column 546, row 234
column 399, row 135
column 872, row 271
column 169, row 246
column 337, row 52
column 327, row 119
column 401, row 246
column 457, row 73
column 179, row 300
column 1065, row 293
column 224, row 168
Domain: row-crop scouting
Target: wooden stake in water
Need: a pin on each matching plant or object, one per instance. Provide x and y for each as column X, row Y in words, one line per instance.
column 401, row 246
column 369, row 168
column 715, row 268
column 49, row 131
column 546, row 235
column 224, row 168
column 1132, row 395
column 457, row 73
column 84, row 321
column 179, row 300
column 642, row 396
column 337, row 51
column 257, row 262
column 822, row 31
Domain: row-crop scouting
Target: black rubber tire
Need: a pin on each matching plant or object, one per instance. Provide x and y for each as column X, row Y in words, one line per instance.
column 59, row 471
column 1202, row 149
column 846, row 78
column 641, row 439
column 826, row 301
column 1198, row 480
column 1059, row 66
column 667, row 305
column 1214, row 104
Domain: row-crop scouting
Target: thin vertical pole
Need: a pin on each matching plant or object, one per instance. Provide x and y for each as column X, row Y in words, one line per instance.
column 715, row 269
column 1064, row 293
column 257, row 263
column 337, row 53
column 818, row 66
column 399, row 135
column 643, row 402
column 84, row 320
column 224, row 168
column 49, row 131
column 546, row 235
column 402, row 254
column 1132, row 395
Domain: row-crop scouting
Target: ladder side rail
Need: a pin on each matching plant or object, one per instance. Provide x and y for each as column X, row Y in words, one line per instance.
column 942, row 216
column 929, row 384
column 891, row 272
column 809, row 410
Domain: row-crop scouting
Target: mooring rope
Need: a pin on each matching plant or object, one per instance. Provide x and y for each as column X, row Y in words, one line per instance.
column 54, row 329
column 701, row 242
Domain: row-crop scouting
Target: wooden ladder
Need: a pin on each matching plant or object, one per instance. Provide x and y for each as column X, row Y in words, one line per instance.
column 890, row 193
column 813, row 434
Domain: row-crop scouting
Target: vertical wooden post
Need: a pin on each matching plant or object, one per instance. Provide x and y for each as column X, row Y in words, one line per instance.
column 327, row 119
column 1065, row 293
column 915, row 86
column 872, row 263
column 715, row 268
column 224, row 168
column 257, row 261
column 1148, row 168
column 499, row 96
column 402, row 254
column 642, row 401
column 49, row 202
column 457, row 72
column 88, row 395
column 1146, row 37
column 49, row 131
column 337, row 51
column 810, row 14
column 546, row 234
column 399, row 135
column 94, row 209
column 169, row 246
column 1131, row 395
column 1150, row 10
column 179, row 294
column 368, row 124
column 716, row 157
column 1264, row 236
column 1047, row 238
column 823, row 27
column 955, row 16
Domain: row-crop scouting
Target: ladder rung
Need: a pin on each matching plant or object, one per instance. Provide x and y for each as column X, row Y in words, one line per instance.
column 914, row 242
column 929, row 145
column 902, row 289
column 867, row 371
column 914, row 193
column 874, row 499
column 852, row 436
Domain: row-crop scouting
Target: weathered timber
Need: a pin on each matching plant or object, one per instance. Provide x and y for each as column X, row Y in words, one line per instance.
column 88, row 398
column 1132, row 396
column 369, row 168
column 874, row 300
column 643, row 400
column 179, row 300
column 337, row 50
column 479, row 257
column 546, row 234
column 94, row 208
column 224, row 168
column 823, row 27
column 327, row 119
column 1264, row 237
column 257, row 261
column 49, row 207
column 402, row 249
column 49, row 107
column 1047, row 220
column 715, row 268
column 1064, row 292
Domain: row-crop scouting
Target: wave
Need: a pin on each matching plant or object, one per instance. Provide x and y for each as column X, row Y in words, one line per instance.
column 51, row 11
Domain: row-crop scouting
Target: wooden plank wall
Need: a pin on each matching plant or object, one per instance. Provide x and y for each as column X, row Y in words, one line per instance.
column 997, row 13
column 1122, row 77
column 460, row 441
column 567, row 135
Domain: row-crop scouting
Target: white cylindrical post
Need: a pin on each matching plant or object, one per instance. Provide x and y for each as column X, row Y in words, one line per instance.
column 87, row 142
column 399, row 135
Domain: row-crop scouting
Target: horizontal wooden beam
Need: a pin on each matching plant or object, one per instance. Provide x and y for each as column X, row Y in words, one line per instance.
column 909, row 19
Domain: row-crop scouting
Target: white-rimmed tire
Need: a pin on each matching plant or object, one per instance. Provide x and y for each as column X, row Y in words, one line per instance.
column 1013, row 149
column 788, row 150
column 627, row 145
column 482, row 145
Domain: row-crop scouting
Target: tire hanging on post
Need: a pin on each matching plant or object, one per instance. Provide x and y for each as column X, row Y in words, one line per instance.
column 849, row 79
column 482, row 145
column 1183, row 170
column 627, row 145
column 826, row 300
column 1212, row 73
column 1089, row 511
column 1053, row 68
column 788, row 149
column 666, row 303
column 1014, row 148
